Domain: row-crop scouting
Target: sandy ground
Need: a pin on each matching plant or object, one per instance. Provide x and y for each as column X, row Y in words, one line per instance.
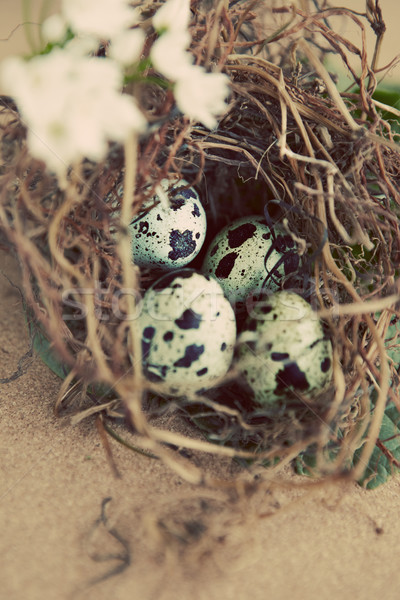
column 159, row 537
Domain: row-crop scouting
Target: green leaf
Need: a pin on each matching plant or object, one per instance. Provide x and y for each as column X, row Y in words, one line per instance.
column 391, row 97
column 306, row 462
column 393, row 341
column 385, row 459
column 42, row 346
column 49, row 356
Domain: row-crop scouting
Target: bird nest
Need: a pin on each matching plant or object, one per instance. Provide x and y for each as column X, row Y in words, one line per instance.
column 324, row 165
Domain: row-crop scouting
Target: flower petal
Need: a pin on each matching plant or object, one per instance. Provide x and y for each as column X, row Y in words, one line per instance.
column 127, row 47
column 103, row 19
column 174, row 15
column 169, row 55
column 201, row 95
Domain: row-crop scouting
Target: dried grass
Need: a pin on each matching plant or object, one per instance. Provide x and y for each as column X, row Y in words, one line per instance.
column 325, row 164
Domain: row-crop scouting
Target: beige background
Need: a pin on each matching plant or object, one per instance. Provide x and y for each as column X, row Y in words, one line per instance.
column 12, row 36
column 340, row 543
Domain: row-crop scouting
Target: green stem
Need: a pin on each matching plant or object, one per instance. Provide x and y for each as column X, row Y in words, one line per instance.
column 119, row 439
column 45, row 10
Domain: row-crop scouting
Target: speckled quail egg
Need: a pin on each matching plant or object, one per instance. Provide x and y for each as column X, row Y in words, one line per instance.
column 247, row 256
column 283, row 349
column 188, row 332
column 169, row 231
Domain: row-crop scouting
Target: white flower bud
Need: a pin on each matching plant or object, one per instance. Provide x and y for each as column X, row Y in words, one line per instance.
column 127, row 47
column 174, row 15
column 103, row 19
column 54, row 29
column 169, row 55
column 201, row 95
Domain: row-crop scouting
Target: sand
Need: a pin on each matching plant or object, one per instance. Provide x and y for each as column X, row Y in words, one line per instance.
column 159, row 537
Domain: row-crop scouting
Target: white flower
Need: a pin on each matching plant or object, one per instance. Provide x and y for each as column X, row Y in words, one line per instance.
column 103, row 19
column 82, row 45
column 201, row 95
column 37, row 85
column 169, row 55
column 174, row 15
column 54, row 29
column 72, row 106
column 127, row 47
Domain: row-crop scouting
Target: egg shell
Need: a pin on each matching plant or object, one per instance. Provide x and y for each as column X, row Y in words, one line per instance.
column 188, row 333
column 286, row 349
column 247, row 256
column 169, row 237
